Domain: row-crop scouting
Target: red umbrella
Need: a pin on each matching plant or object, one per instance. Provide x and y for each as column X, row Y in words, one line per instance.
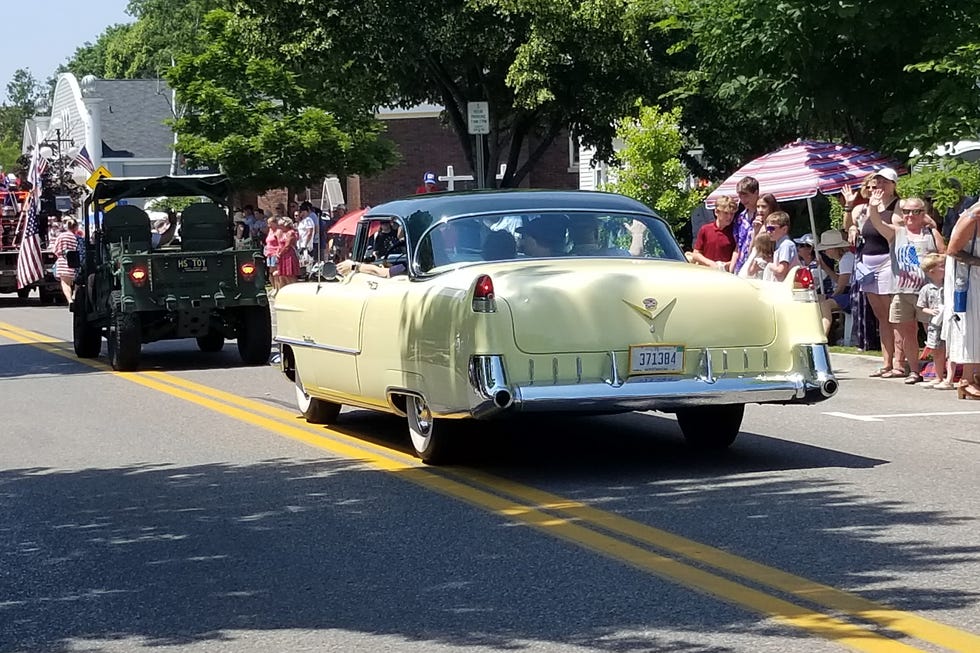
column 346, row 225
column 802, row 169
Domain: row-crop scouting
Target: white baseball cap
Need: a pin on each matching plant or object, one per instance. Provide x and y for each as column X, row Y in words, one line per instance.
column 888, row 173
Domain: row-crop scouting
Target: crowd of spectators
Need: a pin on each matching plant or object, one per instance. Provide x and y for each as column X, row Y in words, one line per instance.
column 906, row 274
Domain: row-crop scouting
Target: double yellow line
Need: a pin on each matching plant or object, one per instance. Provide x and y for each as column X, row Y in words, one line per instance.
column 859, row 623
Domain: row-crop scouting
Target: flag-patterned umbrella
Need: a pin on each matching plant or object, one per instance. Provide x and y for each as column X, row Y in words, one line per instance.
column 802, row 169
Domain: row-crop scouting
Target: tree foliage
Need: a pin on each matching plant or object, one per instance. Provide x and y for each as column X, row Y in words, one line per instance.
column 933, row 178
column 651, row 170
column 830, row 69
column 249, row 114
column 542, row 66
column 23, row 94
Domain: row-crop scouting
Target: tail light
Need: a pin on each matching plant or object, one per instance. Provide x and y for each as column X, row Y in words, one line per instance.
column 483, row 297
column 803, row 286
column 137, row 275
column 247, row 270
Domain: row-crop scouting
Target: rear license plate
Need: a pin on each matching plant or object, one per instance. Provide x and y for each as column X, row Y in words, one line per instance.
column 192, row 264
column 656, row 359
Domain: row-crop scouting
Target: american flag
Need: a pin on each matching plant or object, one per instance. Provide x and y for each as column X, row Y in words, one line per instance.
column 84, row 160
column 29, row 266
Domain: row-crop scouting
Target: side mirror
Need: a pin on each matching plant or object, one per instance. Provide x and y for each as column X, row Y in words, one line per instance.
column 73, row 259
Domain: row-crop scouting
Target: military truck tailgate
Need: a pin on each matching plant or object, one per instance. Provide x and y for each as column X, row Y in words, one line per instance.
column 202, row 274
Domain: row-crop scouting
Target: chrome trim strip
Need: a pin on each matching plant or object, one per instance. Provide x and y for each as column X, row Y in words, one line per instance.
column 812, row 380
column 312, row 344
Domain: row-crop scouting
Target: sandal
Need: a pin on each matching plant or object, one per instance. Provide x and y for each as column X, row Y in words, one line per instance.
column 968, row 391
column 913, row 378
column 894, row 374
column 881, row 371
column 943, row 385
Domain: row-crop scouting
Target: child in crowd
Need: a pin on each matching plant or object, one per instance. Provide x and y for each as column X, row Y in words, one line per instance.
column 930, row 313
column 759, row 258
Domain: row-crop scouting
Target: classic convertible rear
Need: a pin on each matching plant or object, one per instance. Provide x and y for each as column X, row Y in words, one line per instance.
column 492, row 304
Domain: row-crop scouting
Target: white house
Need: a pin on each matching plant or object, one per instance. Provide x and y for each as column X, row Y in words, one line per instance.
column 120, row 122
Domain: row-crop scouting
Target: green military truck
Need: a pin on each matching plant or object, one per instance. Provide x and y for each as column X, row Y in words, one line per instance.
column 134, row 287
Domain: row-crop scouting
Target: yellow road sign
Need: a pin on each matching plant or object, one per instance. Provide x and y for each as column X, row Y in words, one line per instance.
column 101, row 173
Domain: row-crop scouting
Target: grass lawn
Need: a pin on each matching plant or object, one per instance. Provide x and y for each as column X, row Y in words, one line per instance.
column 854, row 350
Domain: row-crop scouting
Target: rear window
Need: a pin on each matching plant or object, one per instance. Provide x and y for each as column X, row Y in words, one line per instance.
column 474, row 239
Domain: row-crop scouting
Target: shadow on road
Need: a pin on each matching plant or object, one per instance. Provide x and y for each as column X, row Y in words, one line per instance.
column 173, row 555
column 166, row 356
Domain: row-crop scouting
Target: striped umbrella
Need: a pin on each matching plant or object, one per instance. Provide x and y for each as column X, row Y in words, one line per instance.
column 802, row 169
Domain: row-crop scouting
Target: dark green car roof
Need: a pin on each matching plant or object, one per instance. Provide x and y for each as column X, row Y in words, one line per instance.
column 217, row 188
column 441, row 205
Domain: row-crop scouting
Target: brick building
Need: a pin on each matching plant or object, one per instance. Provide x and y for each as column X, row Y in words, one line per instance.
column 425, row 144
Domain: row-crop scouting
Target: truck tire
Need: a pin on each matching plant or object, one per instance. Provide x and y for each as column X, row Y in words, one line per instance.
column 48, row 297
column 125, row 339
column 255, row 335
column 214, row 341
column 86, row 339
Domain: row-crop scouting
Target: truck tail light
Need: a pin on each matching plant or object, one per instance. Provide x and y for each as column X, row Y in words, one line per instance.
column 803, row 286
column 483, row 297
column 247, row 270
column 137, row 275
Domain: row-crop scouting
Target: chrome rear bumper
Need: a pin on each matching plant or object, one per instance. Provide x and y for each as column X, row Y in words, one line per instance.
column 811, row 381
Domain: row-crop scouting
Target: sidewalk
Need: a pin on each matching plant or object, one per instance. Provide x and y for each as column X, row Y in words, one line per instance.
column 857, row 364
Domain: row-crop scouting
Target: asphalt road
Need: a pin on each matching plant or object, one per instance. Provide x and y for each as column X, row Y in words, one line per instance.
column 186, row 508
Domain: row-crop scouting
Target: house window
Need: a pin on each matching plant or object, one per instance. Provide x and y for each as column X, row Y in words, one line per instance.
column 573, row 154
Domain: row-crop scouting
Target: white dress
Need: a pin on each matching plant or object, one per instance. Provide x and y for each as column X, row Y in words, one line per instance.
column 962, row 335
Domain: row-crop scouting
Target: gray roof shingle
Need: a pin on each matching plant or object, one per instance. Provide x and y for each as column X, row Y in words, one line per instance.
column 133, row 115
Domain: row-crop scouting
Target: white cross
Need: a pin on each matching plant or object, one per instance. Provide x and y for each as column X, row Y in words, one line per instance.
column 451, row 177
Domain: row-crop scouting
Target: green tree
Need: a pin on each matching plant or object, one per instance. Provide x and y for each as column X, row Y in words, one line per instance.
column 145, row 49
column 92, row 58
column 932, row 178
column 542, row 66
column 250, row 115
column 23, row 94
column 650, row 168
column 833, row 69
column 951, row 98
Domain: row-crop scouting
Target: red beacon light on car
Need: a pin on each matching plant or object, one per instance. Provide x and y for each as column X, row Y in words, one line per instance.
column 803, row 279
column 138, row 275
column 483, row 296
column 803, row 285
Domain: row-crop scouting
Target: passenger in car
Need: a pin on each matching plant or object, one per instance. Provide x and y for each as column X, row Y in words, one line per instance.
column 584, row 232
column 499, row 246
column 384, row 240
column 543, row 237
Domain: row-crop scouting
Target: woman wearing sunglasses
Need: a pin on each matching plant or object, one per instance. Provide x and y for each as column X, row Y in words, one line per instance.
column 909, row 239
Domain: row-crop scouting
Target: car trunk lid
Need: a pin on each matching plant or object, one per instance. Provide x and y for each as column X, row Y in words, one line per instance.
column 609, row 305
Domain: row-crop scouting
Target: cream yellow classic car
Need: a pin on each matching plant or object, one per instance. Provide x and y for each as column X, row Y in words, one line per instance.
column 487, row 305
